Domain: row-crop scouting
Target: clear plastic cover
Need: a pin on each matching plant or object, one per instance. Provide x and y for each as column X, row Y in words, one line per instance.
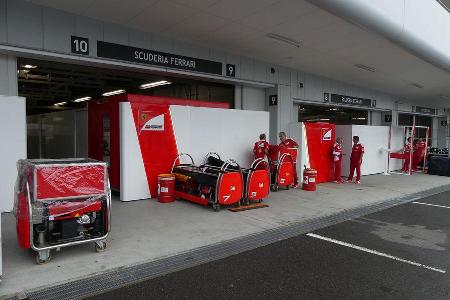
column 59, row 188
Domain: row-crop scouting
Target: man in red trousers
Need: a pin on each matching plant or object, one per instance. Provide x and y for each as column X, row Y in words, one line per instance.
column 356, row 160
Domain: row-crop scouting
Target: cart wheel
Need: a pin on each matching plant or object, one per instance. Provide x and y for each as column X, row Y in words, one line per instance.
column 216, row 206
column 274, row 188
column 43, row 257
column 100, row 246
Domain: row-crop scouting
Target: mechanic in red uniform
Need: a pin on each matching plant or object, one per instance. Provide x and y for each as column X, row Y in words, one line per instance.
column 289, row 143
column 356, row 160
column 337, row 158
column 419, row 153
column 261, row 148
column 407, row 151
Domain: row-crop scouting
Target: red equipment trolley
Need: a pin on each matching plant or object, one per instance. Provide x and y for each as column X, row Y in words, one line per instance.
column 281, row 168
column 208, row 184
column 60, row 203
column 256, row 178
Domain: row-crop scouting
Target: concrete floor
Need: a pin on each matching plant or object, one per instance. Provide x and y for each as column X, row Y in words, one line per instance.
column 145, row 230
column 304, row 267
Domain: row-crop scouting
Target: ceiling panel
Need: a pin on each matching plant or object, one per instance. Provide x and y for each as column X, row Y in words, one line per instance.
column 107, row 10
column 195, row 26
column 76, row 7
column 198, row 4
column 155, row 18
column 238, row 9
column 278, row 13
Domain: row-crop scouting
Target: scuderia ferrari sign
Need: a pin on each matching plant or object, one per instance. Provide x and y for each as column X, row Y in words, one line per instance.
column 151, row 57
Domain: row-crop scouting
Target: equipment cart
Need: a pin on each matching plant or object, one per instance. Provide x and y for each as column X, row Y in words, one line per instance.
column 61, row 203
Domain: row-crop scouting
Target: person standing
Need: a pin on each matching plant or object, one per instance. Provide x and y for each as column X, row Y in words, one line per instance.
column 356, row 160
column 286, row 143
column 407, row 151
column 337, row 159
column 261, row 148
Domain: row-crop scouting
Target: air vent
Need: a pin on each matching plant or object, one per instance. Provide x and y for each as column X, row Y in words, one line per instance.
column 417, row 85
column 284, row 39
column 365, row 68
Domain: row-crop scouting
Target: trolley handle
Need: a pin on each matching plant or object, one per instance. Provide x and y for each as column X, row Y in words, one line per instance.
column 286, row 155
column 257, row 162
column 211, row 154
column 230, row 162
column 178, row 157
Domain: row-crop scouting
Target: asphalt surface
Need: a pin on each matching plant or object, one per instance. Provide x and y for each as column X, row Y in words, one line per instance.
column 414, row 236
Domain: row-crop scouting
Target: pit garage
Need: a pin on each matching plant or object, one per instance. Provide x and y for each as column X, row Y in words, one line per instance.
column 57, row 95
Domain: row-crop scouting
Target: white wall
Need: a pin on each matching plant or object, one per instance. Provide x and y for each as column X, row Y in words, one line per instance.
column 373, row 138
column 13, row 148
column 201, row 130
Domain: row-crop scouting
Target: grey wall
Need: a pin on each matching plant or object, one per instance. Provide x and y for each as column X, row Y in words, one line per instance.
column 30, row 27
column 8, row 75
column 441, row 135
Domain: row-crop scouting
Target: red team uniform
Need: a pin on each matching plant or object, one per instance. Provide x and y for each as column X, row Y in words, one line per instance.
column 355, row 161
column 260, row 149
column 289, row 143
column 337, row 158
column 406, row 150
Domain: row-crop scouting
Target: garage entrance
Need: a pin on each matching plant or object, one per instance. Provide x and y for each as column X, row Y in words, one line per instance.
column 57, row 95
column 334, row 115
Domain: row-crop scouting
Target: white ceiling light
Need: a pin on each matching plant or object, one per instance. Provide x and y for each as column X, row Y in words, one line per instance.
column 29, row 67
column 153, row 84
column 60, row 103
column 284, row 39
column 116, row 92
column 82, row 99
column 365, row 68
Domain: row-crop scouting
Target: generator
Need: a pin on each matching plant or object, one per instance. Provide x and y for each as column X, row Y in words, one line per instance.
column 207, row 184
column 60, row 203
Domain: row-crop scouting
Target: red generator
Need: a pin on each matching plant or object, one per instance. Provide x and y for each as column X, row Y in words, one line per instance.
column 61, row 203
column 208, row 184
column 281, row 167
column 256, row 178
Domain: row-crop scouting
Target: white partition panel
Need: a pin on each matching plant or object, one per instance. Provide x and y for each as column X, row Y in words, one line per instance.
column 133, row 180
column 397, row 144
column 374, row 139
column 231, row 133
column 13, row 135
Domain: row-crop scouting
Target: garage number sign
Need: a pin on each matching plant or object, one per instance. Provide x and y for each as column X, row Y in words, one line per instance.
column 349, row 100
column 231, row 70
column 273, row 100
column 79, row 45
column 156, row 58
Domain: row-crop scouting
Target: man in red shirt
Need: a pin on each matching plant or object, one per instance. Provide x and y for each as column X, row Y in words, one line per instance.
column 261, row 148
column 356, row 160
column 286, row 143
column 337, row 158
column 407, row 151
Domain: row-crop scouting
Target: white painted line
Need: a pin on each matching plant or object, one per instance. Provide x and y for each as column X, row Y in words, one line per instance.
column 429, row 204
column 375, row 252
